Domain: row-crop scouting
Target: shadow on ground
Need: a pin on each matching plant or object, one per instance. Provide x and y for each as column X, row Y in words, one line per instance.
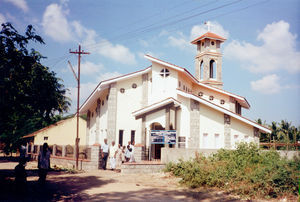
column 60, row 186
column 158, row 195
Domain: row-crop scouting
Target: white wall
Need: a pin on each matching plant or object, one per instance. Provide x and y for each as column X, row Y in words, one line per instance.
column 217, row 96
column 184, row 118
column 128, row 102
column 211, row 123
column 241, row 132
column 162, row 87
column 92, row 132
column 103, row 120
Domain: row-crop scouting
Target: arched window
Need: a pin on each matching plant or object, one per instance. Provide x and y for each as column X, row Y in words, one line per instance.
column 212, row 69
column 201, row 69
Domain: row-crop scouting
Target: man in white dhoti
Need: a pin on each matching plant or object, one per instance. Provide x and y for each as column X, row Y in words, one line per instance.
column 112, row 155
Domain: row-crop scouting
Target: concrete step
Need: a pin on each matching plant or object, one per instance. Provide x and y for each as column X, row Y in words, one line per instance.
column 130, row 168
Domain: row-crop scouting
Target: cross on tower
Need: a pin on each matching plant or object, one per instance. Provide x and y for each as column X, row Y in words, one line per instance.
column 208, row 24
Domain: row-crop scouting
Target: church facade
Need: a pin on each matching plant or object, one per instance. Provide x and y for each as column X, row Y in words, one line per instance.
column 165, row 96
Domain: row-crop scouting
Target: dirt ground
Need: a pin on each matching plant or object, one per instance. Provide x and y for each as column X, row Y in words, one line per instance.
column 101, row 186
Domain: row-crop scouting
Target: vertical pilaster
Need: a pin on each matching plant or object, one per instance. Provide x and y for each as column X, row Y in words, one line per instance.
column 88, row 122
column 112, row 113
column 95, row 157
column 205, row 67
column 145, row 90
column 143, row 131
column 98, row 121
column 167, row 121
column 197, row 68
column 176, row 128
column 63, row 151
column 232, row 104
column 54, row 150
column 256, row 135
column 227, row 131
column 219, row 70
column 194, row 139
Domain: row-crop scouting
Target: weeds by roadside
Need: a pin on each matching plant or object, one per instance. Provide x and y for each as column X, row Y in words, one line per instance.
column 246, row 171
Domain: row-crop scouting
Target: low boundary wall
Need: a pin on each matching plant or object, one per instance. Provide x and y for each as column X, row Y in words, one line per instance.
column 91, row 161
column 174, row 154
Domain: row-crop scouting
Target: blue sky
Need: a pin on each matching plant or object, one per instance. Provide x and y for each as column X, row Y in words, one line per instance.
column 261, row 55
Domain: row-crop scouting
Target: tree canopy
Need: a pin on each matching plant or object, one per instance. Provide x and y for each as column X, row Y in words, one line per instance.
column 30, row 94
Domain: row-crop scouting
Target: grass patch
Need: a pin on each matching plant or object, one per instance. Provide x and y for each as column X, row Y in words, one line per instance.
column 246, row 171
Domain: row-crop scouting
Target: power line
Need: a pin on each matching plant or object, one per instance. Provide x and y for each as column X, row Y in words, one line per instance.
column 165, row 19
column 168, row 24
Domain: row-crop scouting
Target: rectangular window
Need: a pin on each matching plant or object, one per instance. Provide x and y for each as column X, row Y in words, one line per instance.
column 132, row 137
column 217, row 141
column 235, row 140
column 121, row 137
column 205, row 140
column 45, row 138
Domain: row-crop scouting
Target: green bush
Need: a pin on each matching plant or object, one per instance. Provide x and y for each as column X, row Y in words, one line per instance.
column 246, row 171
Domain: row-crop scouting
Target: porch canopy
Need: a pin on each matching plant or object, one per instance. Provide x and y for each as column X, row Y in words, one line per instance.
column 163, row 104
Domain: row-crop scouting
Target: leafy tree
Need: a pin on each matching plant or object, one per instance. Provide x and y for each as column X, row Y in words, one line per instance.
column 31, row 95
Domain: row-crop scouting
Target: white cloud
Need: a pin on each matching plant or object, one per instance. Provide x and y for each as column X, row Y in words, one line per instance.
column 57, row 26
column 20, row 4
column 216, row 28
column 144, row 43
column 108, row 75
column 89, row 68
column 182, row 41
column 86, row 68
column 267, row 85
column 2, row 20
column 277, row 52
column 85, row 90
column 163, row 33
column 116, row 52
column 55, row 23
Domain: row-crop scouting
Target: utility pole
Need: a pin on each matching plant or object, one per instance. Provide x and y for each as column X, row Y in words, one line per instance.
column 79, row 53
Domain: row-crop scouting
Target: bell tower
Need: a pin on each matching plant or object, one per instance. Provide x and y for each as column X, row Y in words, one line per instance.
column 208, row 61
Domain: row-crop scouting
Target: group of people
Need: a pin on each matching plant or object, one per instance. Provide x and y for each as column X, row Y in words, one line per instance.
column 43, row 166
column 116, row 154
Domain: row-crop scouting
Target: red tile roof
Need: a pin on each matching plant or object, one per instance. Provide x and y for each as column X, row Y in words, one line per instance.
column 209, row 35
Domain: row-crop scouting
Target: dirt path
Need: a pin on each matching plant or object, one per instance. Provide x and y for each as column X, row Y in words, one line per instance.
column 102, row 186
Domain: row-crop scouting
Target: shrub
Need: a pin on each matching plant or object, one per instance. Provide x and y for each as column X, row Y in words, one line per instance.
column 246, row 171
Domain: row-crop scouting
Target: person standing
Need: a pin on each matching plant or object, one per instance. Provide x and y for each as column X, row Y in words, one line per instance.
column 23, row 153
column 44, row 163
column 128, row 152
column 112, row 155
column 132, row 159
column 119, row 157
column 104, row 152
column 20, row 176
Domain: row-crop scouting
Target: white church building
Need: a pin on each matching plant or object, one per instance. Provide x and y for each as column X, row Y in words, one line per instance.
column 165, row 96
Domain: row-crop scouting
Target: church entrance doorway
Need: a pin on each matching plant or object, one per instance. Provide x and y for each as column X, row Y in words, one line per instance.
column 156, row 148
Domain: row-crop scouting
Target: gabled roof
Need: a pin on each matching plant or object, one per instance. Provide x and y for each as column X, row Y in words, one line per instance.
column 208, row 35
column 223, row 110
column 105, row 84
column 243, row 101
column 156, row 105
column 48, row 127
